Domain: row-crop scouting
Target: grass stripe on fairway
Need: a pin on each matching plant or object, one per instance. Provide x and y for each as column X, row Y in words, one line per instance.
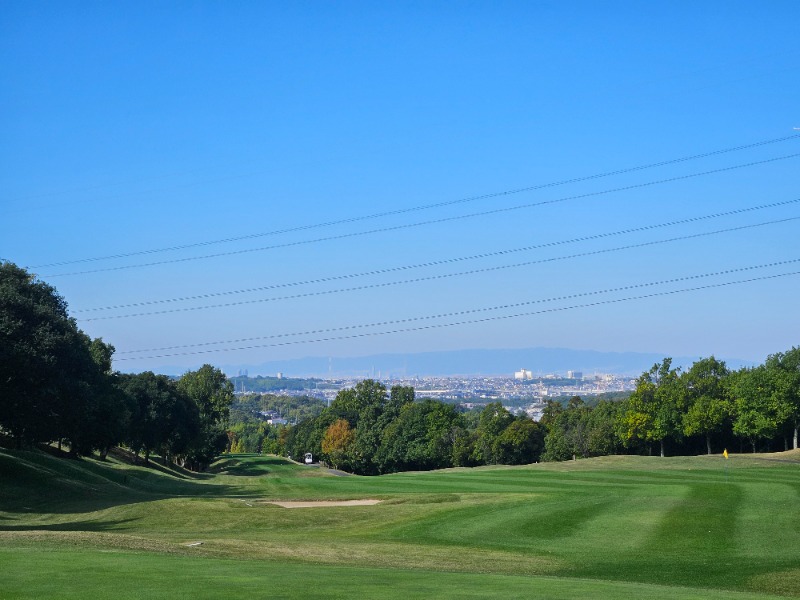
column 79, row 574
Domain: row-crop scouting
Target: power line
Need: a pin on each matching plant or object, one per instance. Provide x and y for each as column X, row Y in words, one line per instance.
column 482, row 320
column 440, row 276
column 429, row 222
column 441, row 262
column 421, row 207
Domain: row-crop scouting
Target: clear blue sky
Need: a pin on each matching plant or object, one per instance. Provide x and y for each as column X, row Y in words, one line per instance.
column 136, row 126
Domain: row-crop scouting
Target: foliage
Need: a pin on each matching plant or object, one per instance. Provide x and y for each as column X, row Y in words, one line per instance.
column 163, row 418
column 709, row 407
column 784, row 368
column 654, row 410
column 337, row 443
column 212, row 394
column 758, row 406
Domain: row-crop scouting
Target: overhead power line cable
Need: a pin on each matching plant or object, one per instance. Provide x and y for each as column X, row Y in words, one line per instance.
column 429, row 222
column 422, row 207
column 479, row 310
column 440, row 276
column 439, row 262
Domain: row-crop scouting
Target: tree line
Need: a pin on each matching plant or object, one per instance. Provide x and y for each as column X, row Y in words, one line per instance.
column 370, row 430
column 708, row 405
column 57, row 386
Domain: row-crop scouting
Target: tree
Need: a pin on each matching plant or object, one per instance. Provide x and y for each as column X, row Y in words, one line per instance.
column 602, row 437
column 654, row 409
column 493, row 421
column 212, row 394
column 106, row 419
column 336, row 444
column 759, row 408
column 49, row 380
column 521, row 443
column 567, row 431
column 708, row 405
column 163, row 417
column 784, row 368
column 363, row 407
column 419, row 438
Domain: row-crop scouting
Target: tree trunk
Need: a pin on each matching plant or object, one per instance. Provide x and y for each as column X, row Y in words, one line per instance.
column 662, row 448
column 754, row 445
column 708, row 444
column 796, row 427
column 104, row 453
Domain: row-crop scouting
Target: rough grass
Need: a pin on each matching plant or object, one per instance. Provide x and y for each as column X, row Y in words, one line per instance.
column 616, row 527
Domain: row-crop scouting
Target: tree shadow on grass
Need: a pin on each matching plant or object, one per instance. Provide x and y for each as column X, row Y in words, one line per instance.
column 238, row 465
column 95, row 526
column 36, row 483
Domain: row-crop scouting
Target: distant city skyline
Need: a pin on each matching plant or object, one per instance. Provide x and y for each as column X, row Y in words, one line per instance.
column 458, row 363
column 246, row 184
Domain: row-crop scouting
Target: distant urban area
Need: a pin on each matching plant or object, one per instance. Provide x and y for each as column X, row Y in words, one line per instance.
column 520, row 390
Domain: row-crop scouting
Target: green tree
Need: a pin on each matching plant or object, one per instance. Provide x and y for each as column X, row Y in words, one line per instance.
column 43, row 359
column 785, row 372
column 520, row 443
column 419, row 438
column 708, row 406
column 758, row 406
column 163, row 418
column 603, row 438
column 655, row 408
column 568, row 432
column 212, row 394
column 108, row 411
column 494, row 419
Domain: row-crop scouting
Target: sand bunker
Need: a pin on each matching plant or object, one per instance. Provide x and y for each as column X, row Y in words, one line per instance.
column 320, row 504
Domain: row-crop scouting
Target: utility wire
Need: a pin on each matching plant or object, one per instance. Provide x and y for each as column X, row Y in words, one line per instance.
column 440, row 276
column 485, row 319
column 429, row 222
column 421, row 207
column 439, row 262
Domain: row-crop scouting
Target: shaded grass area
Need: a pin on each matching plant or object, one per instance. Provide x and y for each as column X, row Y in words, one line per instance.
column 619, row 526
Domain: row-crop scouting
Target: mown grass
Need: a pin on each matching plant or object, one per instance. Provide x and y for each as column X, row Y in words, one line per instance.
column 615, row 527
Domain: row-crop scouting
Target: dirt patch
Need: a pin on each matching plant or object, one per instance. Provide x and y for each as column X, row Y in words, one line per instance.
column 326, row 503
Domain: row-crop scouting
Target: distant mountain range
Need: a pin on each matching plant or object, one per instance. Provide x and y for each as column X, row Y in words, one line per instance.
column 540, row 361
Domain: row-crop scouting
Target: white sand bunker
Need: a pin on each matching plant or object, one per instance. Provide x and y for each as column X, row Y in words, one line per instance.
column 324, row 503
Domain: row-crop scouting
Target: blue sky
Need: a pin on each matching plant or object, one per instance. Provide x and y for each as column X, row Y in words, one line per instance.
column 138, row 126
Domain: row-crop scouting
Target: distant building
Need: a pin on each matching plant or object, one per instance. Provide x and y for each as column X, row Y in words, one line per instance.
column 523, row 374
column 574, row 374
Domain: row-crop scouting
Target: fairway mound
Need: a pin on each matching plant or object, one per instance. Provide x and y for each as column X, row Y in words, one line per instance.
column 325, row 503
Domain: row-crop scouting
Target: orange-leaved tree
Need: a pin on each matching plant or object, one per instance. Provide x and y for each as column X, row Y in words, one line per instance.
column 337, row 441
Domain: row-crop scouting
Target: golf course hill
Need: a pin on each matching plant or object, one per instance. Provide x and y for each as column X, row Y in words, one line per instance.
column 265, row 527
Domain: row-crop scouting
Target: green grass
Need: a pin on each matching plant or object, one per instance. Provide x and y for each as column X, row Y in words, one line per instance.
column 615, row 527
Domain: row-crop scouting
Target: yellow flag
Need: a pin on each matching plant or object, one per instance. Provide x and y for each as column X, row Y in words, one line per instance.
column 725, row 453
